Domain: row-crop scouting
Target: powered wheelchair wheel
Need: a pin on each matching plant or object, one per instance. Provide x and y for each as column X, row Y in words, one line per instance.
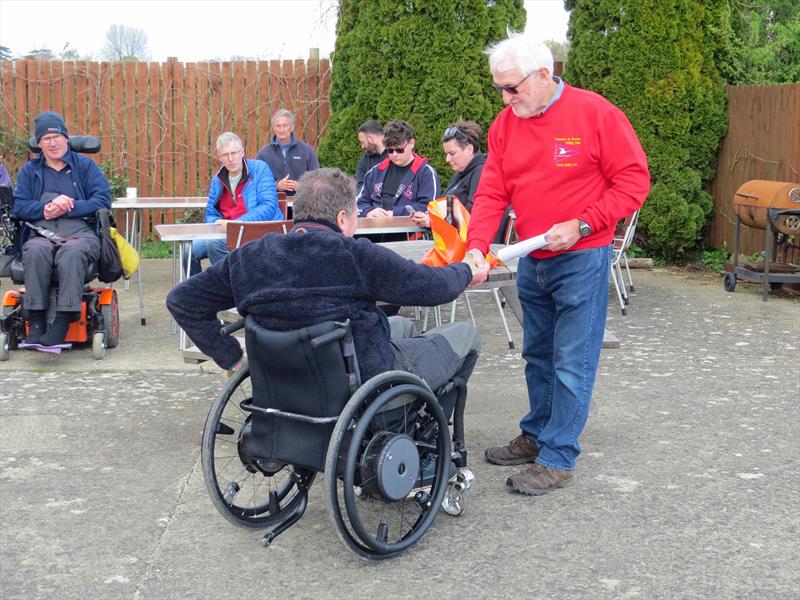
column 247, row 491
column 387, row 465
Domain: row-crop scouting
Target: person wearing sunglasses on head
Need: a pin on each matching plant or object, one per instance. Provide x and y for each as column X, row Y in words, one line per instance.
column 570, row 165
column 403, row 179
column 461, row 143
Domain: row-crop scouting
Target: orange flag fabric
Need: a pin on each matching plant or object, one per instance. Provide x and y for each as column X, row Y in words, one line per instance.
column 449, row 241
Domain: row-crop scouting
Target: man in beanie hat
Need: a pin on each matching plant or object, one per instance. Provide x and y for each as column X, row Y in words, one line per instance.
column 57, row 191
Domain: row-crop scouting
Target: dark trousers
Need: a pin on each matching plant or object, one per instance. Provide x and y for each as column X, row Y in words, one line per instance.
column 71, row 260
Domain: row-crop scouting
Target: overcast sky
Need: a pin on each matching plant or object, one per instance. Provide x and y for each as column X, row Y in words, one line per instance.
column 201, row 29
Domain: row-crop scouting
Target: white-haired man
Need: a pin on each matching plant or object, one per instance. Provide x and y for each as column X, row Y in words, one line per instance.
column 287, row 156
column 242, row 190
column 570, row 165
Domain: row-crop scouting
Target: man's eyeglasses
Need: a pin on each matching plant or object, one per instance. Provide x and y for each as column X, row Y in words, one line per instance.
column 229, row 155
column 51, row 139
column 511, row 89
column 396, row 150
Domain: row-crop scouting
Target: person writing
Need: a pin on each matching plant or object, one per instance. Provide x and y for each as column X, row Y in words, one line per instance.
column 403, row 179
column 570, row 165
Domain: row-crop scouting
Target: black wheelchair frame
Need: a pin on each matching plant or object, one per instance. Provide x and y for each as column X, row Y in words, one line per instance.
column 298, row 408
column 100, row 307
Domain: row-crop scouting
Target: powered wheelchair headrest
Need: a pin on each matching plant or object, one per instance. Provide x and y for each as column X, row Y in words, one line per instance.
column 85, row 144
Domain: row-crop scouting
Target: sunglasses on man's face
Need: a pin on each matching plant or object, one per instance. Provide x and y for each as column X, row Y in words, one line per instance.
column 396, row 150
column 511, row 89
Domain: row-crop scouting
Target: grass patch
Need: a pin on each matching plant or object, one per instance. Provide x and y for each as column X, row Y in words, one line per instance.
column 156, row 250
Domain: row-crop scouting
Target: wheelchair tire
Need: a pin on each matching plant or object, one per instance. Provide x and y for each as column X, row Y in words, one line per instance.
column 99, row 345
column 264, row 499
column 110, row 314
column 372, row 525
column 5, row 346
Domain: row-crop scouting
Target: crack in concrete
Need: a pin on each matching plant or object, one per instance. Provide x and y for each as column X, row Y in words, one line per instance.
column 150, row 559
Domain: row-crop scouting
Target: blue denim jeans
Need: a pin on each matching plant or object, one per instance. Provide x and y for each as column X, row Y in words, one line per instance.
column 213, row 250
column 564, row 301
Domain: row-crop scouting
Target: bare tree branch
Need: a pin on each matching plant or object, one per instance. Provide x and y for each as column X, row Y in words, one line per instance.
column 125, row 43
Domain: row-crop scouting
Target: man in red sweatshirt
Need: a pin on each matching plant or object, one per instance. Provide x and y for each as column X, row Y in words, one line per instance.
column 570, row 165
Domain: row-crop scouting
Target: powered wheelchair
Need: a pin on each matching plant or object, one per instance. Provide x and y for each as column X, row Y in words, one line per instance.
column 99, row 319
column 298, row 408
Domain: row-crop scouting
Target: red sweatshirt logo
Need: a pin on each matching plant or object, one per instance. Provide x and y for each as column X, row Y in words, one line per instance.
column 564, row 150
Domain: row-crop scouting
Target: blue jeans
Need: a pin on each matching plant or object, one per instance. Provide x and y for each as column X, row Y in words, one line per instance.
column 564, row 301
column 213, row 250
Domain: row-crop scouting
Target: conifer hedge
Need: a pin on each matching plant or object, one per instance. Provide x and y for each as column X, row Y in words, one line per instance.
column 417, row 60
column 657, row 61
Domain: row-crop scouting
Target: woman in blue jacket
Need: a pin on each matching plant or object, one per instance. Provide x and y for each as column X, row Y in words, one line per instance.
column 242, row 190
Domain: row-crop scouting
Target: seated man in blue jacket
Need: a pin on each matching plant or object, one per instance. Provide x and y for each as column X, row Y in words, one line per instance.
column 242, row 190
column 57, row 192
column 319, row 272
column 403, row 179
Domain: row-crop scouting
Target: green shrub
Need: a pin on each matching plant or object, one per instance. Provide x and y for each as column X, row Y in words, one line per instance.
column 116, row 178
column 656, row 60
column 420, row 61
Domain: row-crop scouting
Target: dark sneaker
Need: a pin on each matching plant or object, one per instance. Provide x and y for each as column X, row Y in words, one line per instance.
column 519, row 451
column 538, row 480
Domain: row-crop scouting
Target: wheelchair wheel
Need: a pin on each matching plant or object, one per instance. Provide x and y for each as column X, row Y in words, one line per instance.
column 99, row 345
column 250, row 494
column 387, row 466
column 110, row 314
column 5, row 346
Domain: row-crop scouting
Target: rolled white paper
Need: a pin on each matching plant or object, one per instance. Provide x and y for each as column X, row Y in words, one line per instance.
column 522, row 248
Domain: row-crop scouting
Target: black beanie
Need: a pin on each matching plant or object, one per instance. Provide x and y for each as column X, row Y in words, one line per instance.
column 49, row 122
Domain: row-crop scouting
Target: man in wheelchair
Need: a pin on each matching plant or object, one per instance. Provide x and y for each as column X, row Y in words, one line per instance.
column 318, row 275
column 56, row 193
column 319, row 272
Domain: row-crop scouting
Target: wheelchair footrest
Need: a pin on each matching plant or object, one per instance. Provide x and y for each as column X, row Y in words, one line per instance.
column 270, row 536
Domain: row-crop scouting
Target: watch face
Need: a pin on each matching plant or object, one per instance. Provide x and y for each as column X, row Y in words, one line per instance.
column 584, row 229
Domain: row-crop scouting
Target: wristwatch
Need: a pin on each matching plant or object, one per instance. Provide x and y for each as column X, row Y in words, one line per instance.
column 584, row 228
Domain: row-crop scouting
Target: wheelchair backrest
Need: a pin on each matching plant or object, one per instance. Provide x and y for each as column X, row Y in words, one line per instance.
column 292, row 373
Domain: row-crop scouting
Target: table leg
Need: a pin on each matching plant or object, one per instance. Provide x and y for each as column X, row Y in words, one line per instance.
column 173, row 326
column 185, row 260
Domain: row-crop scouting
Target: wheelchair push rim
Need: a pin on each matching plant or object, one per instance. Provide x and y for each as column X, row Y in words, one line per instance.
column 372, row 520
column 245, row 496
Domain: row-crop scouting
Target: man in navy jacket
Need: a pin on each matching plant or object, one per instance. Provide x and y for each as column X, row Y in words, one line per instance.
column 287, row 156
column 403, row 179
column 319, row 272
column 56, row 192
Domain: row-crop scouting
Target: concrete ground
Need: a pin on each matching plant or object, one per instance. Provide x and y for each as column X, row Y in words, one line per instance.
column 687, row 485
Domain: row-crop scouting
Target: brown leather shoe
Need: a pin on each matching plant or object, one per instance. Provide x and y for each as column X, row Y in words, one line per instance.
column 538, row 480
column 519, row 451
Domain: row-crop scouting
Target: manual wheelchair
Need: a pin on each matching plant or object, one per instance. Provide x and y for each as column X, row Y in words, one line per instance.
column 298, row 408
column 99, row 318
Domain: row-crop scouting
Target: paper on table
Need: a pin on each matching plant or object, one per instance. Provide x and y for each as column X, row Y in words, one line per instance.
column 522, row 248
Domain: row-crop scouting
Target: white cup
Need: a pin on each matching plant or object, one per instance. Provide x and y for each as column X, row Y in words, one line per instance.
column 130, row 192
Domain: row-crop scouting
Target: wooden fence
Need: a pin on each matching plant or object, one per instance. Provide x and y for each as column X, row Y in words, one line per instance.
column 763, row 142
column 158, row 121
